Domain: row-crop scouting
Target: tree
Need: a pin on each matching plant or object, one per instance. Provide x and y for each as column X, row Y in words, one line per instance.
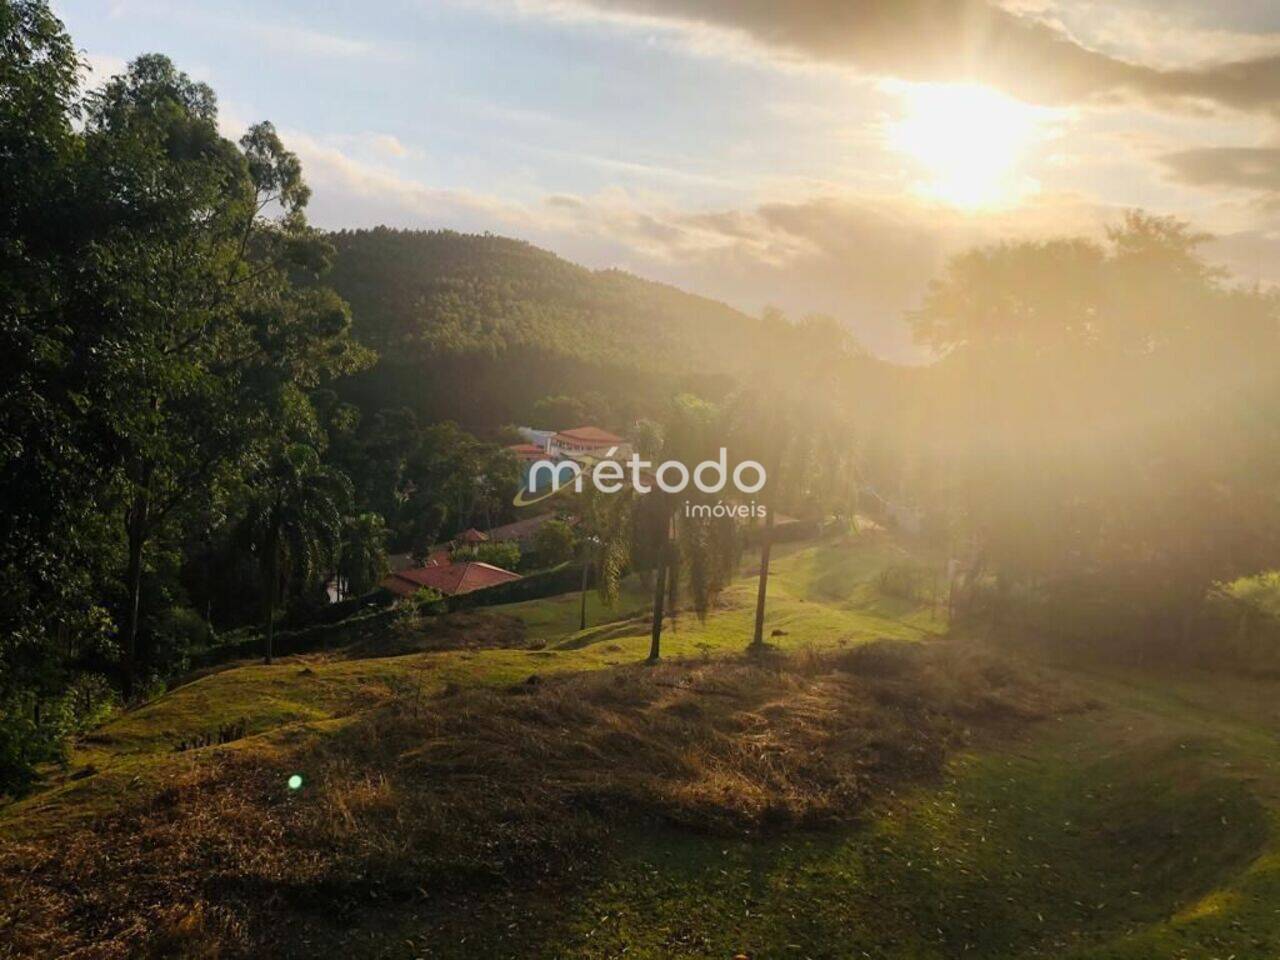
column 53, row 546
column 553, row 543
column 604, row 537
column 294, row 523
column 693, row 431
column 794, row 422
column 505, row 554
column 1097, row 408
column 207, row 343
column 559, row 413
column 362, row 560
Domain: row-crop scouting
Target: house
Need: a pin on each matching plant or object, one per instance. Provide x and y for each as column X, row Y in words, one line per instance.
column 471, row 537
column 450, row 580
column 589, row 442
column 527, row 452
column 522, row 531
column 536, row 438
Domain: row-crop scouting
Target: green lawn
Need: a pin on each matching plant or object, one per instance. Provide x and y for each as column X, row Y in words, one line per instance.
column 297, row 693
column 1146, row 827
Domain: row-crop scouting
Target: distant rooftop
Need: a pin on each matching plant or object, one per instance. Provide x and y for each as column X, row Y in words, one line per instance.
column 589, row 436
column 451, row 580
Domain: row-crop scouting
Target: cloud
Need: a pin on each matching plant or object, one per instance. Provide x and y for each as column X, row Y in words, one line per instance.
column 944, row 40
column 389, row 145
column 278, row 36
column 1253, row 168
column 352, row 192
column 862, row 259
column 101, row 67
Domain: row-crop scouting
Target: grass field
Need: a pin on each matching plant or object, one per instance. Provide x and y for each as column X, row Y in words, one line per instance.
column 1145, row 826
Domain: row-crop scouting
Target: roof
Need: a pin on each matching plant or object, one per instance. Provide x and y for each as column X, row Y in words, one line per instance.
column 450, row 580
column 527, row 451
column 589, row 436
column 472, row 535
column 521, row 529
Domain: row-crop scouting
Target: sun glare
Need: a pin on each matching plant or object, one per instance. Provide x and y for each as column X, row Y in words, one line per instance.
column 968, row 141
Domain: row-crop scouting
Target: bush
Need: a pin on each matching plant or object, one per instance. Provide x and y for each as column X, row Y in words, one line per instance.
column 429, row 600
column 28, row 738
column 548, row 583
column 91, row 700
column 906, row 581
column 553, row 543
column 178, row 633
column 505, row 554
column 35, row 730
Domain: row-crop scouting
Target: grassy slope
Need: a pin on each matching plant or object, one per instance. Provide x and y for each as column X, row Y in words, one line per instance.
column 1149, row 827
column 294, row 696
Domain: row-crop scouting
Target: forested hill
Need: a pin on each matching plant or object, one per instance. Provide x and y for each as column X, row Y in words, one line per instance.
column 477, row 328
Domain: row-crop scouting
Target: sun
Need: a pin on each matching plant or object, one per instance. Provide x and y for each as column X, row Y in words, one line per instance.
column 968, row 141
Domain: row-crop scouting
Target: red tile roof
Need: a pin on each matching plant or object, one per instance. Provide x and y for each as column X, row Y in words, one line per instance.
column 472, row 536
column 588, row 436
column 521, row 529
column 450, row 580
column 528, row 452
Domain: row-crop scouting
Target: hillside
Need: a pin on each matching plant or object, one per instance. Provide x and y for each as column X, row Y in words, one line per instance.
column 869, row 791
column 477, row 328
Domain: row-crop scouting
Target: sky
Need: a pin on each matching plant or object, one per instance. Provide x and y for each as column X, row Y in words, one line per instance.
column 817, row 156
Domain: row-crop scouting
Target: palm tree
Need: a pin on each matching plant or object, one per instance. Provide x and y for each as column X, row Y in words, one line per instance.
column 604, row 522
column 362, row 560
column 294, row 522
column 800, row 432
column 706, row 547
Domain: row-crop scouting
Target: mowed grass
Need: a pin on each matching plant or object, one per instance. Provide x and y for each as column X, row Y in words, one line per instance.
column 136, row 751
column 1146, row 827
column 1120, row 833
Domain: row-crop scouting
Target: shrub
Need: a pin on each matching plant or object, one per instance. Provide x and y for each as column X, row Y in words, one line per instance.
column 429, row 600
column 178, row 633
column 553, row 543
column 505, row 554
column 906, row 581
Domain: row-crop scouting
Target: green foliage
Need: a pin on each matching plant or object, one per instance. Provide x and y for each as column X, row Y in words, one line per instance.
column 907, row 581
column 505, row 555
column 559, row 413
column 294, row 522
column 1095, row 429
column 429, row 600
column 163, row 324
column 479, row 329
column 36, row 728
column 178, row 634
column 362, row 560
column 1260, row 593
column 553, row 543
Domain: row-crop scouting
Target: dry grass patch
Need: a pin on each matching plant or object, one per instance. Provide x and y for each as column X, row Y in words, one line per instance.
column 438, row 800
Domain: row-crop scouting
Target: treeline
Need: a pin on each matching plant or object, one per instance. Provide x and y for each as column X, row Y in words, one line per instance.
column 1099, row 443
column 477, row 329
column 173, row 460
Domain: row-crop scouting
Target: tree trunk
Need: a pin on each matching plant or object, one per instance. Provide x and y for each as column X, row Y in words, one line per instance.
column 136, row 518
column 273, row 580
column 766, row 544
column 673, row 582
column 586, row 579
column 659, row 594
